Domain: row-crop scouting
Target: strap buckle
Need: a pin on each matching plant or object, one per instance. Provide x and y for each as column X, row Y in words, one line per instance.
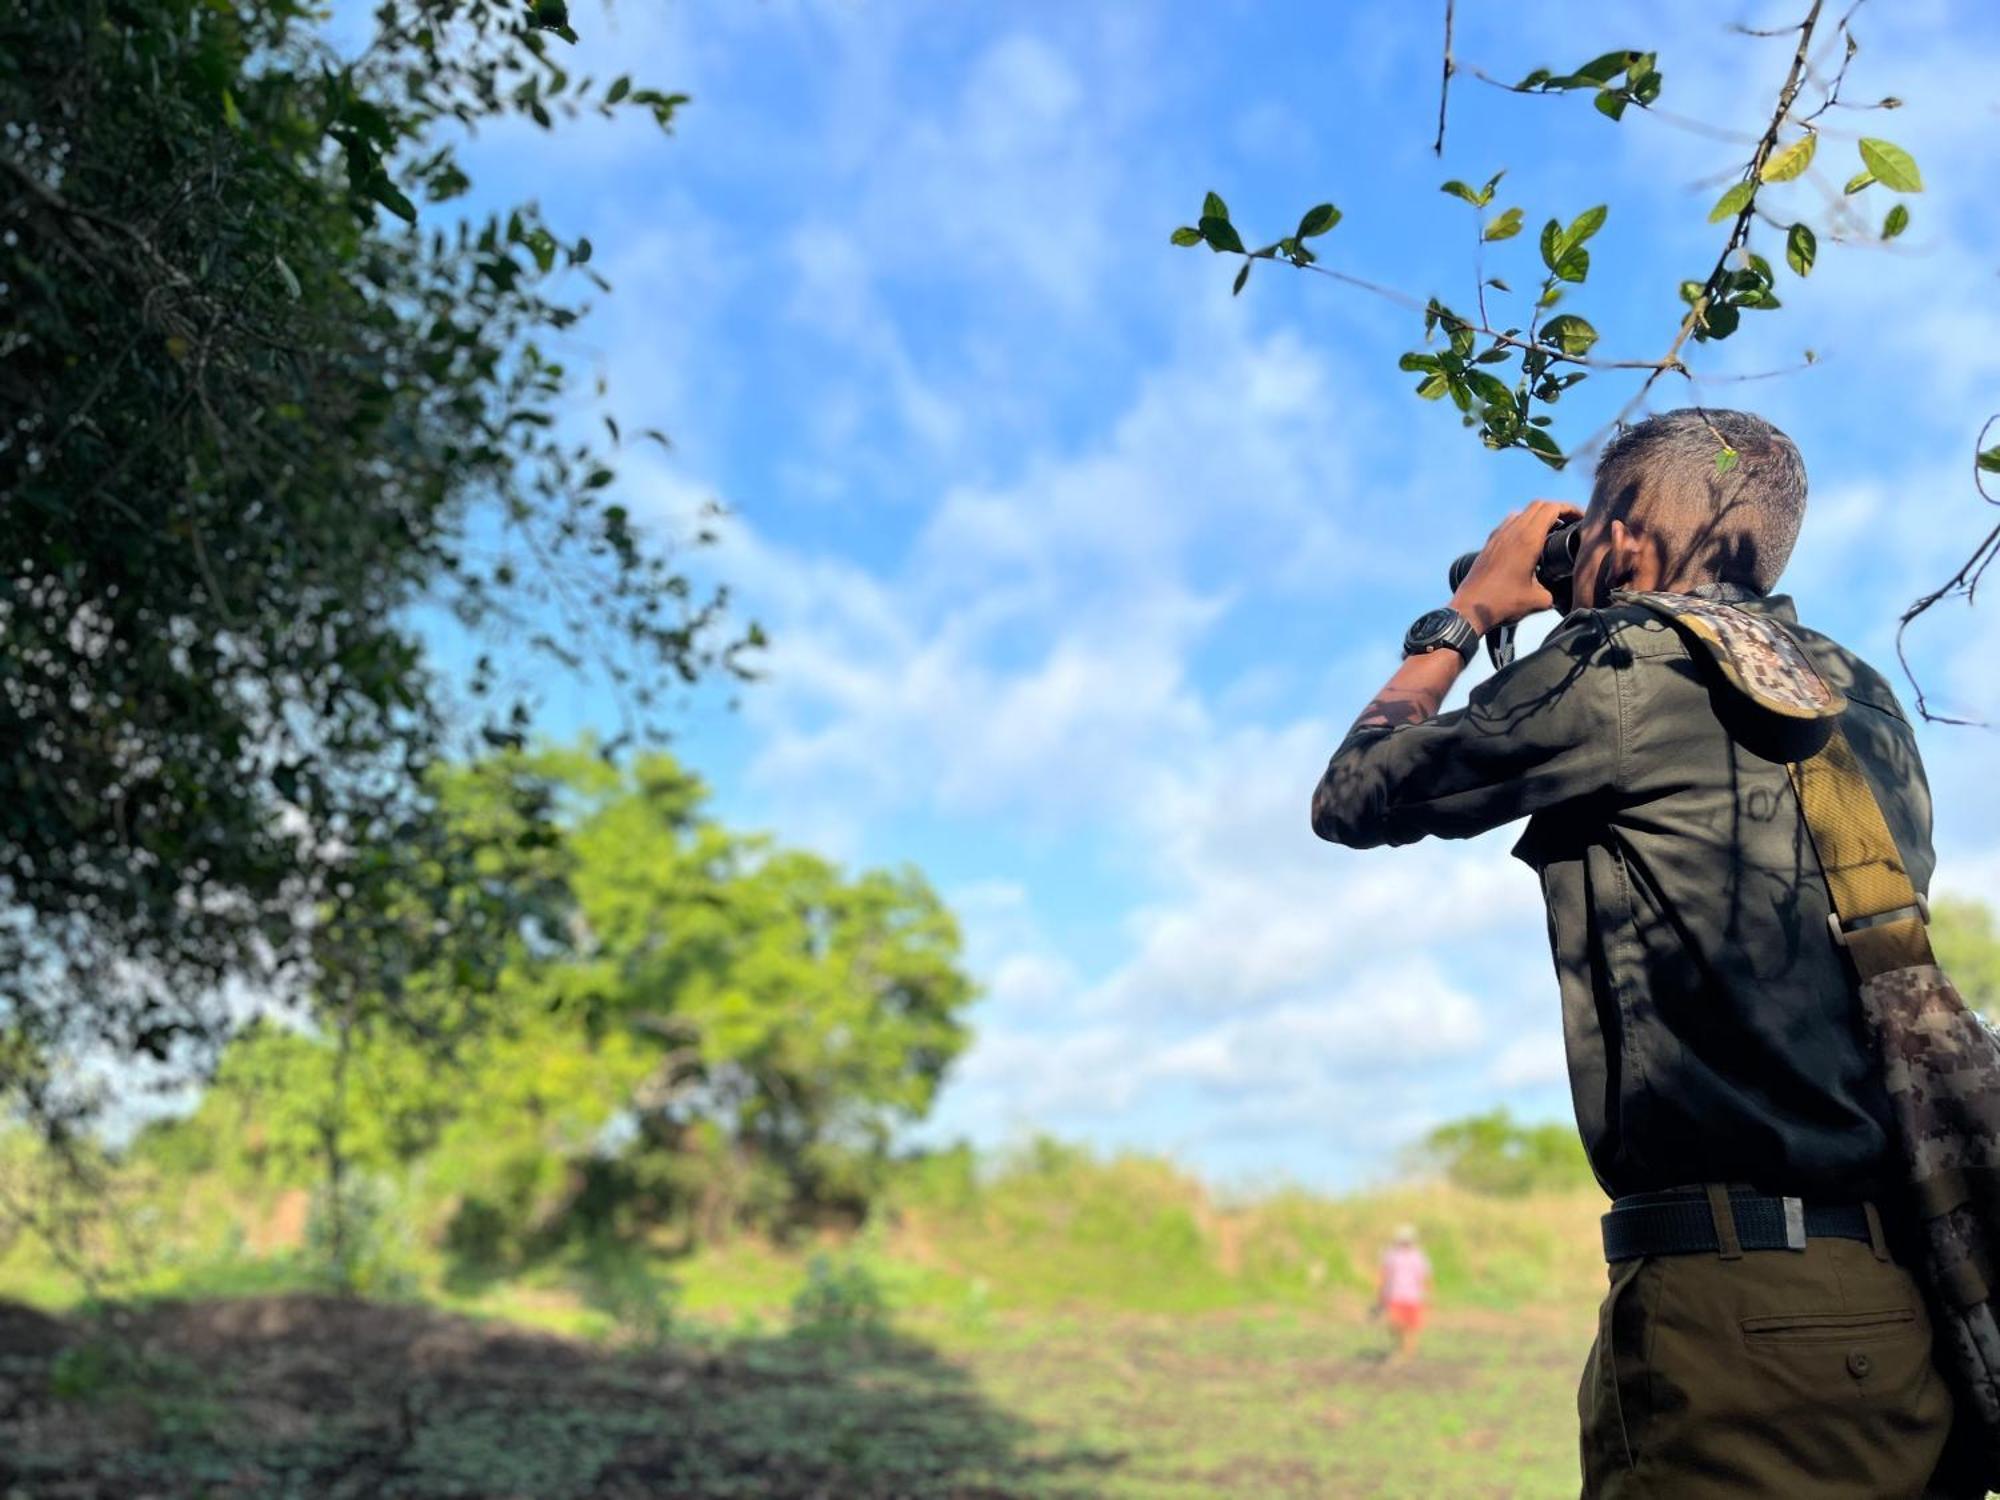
column 1840, row 930
column 1795, row 1223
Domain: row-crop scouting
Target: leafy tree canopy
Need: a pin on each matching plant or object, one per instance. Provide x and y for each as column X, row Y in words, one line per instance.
column 719, row 1026
column 1495, row 1153
column 264, row 389
column 1968, row 950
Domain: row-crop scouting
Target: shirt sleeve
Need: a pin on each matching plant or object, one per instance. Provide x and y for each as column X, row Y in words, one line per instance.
column 1539, row 733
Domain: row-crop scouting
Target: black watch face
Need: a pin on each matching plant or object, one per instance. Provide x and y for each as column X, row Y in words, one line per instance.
column 1429, row 630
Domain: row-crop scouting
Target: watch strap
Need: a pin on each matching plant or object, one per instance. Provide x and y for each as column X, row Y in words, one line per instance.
column 1458, row 633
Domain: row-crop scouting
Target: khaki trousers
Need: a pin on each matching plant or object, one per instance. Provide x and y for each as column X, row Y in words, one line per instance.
column 1772, row 1373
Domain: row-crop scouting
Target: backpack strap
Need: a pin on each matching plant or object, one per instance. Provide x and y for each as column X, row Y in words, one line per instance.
column 1878, row 916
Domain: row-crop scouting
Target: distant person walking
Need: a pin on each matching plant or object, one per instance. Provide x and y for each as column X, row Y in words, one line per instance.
column 1404, row 1291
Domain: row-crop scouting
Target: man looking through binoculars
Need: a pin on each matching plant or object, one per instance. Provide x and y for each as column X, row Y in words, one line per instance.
column 1762, row 1335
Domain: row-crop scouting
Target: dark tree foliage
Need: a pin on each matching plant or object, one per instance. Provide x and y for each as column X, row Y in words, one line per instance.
column 257, row 407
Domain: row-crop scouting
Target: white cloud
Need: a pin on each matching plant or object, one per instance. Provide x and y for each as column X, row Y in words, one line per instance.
column 1530, row 1060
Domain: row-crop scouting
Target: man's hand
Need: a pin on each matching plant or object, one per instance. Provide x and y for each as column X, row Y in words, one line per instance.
column 1501, row 588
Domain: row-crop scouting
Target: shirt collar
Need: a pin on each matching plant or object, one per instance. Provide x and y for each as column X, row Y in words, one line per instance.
column 1779, row 606
column 1726, row 593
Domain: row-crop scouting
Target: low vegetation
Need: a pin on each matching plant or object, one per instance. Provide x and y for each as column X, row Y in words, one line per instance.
column 1050, row 1323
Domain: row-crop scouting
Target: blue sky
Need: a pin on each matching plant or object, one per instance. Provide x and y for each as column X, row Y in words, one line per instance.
column 1076, row 567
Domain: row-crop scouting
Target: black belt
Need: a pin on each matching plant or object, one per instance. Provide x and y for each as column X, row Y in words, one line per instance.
column 1681, row 1223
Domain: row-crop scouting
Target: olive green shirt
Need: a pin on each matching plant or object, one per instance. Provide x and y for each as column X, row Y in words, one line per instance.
column 1710, row 1021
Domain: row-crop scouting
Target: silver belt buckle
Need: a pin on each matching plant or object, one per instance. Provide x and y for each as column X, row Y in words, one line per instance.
column 1795, row 1223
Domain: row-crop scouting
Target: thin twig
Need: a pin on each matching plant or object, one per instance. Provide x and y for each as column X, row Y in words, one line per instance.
column 1444, row 83
column 1664, row 116
column 1965, row 581
column 1739, row 232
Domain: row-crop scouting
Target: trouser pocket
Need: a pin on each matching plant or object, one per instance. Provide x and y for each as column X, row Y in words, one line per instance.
column 1603, row 1398
column 1778, row 1375
column 1831, row 1327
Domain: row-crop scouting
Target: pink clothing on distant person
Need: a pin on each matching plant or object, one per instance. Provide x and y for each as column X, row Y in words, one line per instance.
column 1406, row 1274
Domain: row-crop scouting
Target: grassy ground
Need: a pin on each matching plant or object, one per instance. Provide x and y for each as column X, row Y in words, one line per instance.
column 1064, row 1328
column 307, row 1396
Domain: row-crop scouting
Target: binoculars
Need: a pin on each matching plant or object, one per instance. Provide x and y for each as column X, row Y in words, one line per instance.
column 1555, row 570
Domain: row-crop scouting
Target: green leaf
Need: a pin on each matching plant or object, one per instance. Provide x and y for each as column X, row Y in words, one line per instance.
column 231, row 115
column 1497, row 284
column 1990, row 460
column 1733, row 202
column 288, row 277
column 1609, row 66
column 1550, row 297
column 1893, row 167
column 1460, row 190
column 1719, row 321
column 1434, row 387
column 1415, row 361
column 386, row 193
column 1725, row 460
column 1212, row 207
column 1551, row 244
column 1184, row 236
column 1610, row 103
column 1792, row 161
column 1242, row 276
column 1506, row 226
column 1543, row 447
column 1569, row 333
column 1691, row 290
column 1801, row 249
column 1220, row 234
column 1584, row 225
column 1490, row 389
column 1897, row 221
column 1574, row 266
column 1858, row 181
column 619, row 89
column 1318, row 221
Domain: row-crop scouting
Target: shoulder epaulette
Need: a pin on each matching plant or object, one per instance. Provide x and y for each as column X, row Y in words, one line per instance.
column 1755, row 654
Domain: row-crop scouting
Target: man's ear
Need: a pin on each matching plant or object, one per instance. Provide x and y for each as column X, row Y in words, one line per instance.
column 1632, row 563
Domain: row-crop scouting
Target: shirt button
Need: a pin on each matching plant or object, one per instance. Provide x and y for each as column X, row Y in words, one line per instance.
column 1858, row 1364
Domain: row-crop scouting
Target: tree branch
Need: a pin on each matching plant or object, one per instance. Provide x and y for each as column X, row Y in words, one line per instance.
column 1444, row 84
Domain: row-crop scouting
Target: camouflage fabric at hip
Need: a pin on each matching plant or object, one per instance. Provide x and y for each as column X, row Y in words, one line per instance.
column 1942, row 1068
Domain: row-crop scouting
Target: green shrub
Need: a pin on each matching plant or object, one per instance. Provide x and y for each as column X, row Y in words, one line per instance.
column 840, row 1296
column 627, row 1286
column 1492, row 1153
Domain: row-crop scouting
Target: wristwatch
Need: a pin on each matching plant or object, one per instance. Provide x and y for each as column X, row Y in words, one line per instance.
column 1438, row 628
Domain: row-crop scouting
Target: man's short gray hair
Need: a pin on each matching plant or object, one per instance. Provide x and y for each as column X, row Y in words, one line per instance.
column 1729, row 522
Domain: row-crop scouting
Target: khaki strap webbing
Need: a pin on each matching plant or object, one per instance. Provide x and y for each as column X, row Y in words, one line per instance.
column 1864, row 870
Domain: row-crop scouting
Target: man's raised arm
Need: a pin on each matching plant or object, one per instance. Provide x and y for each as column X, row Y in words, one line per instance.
column 1540, row 732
